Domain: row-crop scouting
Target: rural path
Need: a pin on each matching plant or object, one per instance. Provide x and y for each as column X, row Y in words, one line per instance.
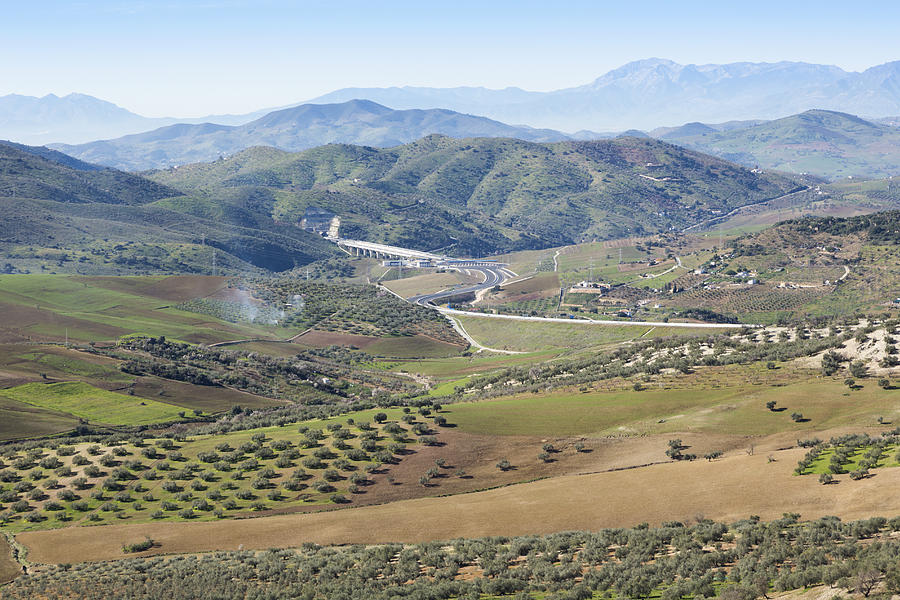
column 677, row 265
column 740, row 208
column 474, row 343
column 846, row 272
column 464, row 313
column 555, row 262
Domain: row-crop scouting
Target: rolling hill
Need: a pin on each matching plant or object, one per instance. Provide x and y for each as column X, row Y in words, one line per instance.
column 480, row 196
column 57, row 213
column 353, row 122
column 825, row 143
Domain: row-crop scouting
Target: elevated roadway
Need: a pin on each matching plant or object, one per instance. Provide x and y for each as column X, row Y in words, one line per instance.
column 361, row 248
column 493, row 275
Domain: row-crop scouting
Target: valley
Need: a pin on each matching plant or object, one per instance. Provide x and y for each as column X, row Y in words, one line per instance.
column 635, row 339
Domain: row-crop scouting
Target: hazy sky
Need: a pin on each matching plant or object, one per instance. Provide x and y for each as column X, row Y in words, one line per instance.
column 193, row 58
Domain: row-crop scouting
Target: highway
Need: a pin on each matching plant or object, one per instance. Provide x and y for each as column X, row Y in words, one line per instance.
column 492, row 276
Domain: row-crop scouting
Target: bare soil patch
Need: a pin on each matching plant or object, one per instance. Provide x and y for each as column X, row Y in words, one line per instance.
column 29, row 323
column 210, row 399
column 179, row 288
column 320, row 339
column 9, row 568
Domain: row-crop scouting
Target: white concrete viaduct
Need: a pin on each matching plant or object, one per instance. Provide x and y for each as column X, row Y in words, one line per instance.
column 360, row 248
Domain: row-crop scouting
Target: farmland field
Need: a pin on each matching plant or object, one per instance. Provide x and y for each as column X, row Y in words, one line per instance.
column 210, row 477
column 737, row 410
column 53, row 307
column 19, row 420
column 426, row 283
column 728, row 489
column 415, row 346
column 526, row 336
column 574, row 429
column 92, row 404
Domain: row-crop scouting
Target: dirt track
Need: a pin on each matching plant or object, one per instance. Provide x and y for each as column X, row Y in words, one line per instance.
column 727, row 489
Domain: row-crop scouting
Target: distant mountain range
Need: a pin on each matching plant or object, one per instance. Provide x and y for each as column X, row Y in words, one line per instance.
column 824, row 143
column 827, row 144
column 360, row 122
column 78, row 118
column 639, row 95
column 646, row 93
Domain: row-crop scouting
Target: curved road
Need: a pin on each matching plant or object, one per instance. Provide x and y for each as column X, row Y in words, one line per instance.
column 492, row 276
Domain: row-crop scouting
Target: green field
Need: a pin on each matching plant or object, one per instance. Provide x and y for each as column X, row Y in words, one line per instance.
column 93, row 309
column 567, row 414
column 824, row 404
column 417, row 346
column 93, row 404
column 820, row 464
column 457, row 366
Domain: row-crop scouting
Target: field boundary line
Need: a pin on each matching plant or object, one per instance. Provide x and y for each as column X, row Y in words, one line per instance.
column 464, row 313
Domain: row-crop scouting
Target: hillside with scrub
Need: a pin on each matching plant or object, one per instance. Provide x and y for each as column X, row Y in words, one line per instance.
column 825, row 143
column 58, row 214
column 479, row 196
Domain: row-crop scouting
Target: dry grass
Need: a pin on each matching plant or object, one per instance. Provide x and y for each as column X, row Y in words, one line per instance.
column 728, row 489
column 542, row 285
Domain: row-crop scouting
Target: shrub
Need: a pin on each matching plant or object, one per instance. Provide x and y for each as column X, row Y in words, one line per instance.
column 141, row 546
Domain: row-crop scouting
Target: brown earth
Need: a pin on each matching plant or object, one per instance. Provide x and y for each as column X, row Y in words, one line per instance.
column 9, row 568
column 319, row 339
column 210, row 399
column 176, row 288
column 19, row 420
column 542, row 285
column 728, row 489
column 17, row 319
column 15, row 370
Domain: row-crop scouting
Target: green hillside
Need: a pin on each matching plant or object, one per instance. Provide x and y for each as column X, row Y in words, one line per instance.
column 483, row 195
column 61, row 215
column 821, row 142
column 27, row 172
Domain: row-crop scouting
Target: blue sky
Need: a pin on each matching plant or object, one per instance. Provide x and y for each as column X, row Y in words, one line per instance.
column 193, row 58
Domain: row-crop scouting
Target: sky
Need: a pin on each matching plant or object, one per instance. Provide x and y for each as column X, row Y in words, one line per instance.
column 195, row 58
